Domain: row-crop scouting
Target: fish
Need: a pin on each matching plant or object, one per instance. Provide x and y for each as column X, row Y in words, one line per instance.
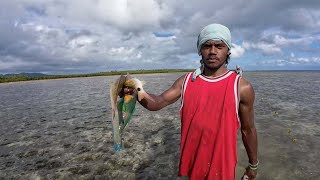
column 115, row 89
column 123, row 107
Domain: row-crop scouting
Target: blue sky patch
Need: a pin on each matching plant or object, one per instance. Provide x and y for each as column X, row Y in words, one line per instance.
column 36, row 11
column 163, row 34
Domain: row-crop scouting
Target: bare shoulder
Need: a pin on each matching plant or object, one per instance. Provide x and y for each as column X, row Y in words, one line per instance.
column 176, row 86
column 173, row 93
column 246, row 91
column 179, row 82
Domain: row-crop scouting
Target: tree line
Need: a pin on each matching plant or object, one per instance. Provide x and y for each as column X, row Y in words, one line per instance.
column 19, row 77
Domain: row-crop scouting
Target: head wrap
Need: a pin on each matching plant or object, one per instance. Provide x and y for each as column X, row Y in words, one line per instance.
column 214, row 32
column 211, row 32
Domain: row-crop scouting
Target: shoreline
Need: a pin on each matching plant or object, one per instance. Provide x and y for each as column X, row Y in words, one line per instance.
column 13, row 79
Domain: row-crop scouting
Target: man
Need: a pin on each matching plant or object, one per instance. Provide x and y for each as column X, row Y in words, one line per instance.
column 215, row 103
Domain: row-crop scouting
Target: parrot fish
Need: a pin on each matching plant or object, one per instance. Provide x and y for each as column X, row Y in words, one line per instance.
column 123, row 107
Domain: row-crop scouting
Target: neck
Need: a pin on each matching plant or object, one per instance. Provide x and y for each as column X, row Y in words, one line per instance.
column 215, row 72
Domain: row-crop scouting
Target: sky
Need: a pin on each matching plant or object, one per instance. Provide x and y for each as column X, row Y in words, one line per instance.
column 88, row 36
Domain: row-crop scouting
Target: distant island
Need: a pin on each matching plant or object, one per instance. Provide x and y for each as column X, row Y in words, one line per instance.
column 40, row 76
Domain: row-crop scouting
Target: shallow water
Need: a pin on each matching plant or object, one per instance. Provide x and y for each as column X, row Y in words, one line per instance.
column 61, row 129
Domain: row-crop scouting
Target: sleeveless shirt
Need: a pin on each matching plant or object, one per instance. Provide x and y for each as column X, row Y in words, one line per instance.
column 209, row 126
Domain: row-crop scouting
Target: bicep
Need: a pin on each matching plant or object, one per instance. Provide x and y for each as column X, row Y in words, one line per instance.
column 246, row 107
column 173, row 93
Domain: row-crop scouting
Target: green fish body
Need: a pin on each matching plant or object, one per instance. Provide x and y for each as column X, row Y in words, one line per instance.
column 127, row 107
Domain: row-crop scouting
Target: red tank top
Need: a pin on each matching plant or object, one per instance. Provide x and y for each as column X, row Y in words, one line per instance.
column 209, row 126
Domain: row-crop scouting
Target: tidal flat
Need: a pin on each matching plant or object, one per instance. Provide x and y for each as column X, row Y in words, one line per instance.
column 61, row 129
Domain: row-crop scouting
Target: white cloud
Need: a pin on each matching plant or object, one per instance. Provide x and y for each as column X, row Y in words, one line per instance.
column 127, row 15
column 282, row 41
column 307, row 60
column 82, row 41
column 125, row 53
column 237, row 51
column 266, row 48
column 292, row 61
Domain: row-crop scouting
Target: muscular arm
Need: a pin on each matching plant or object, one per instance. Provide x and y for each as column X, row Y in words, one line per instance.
column 246, row 113
column 154, row 102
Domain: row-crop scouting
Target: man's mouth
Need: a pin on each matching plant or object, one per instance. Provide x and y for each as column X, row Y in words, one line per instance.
column 212, row 59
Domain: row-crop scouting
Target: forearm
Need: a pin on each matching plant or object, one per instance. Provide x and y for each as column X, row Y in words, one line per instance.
column 250, row 142
column 152, row 102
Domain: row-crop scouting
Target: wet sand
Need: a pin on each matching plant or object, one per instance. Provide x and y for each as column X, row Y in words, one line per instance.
column 61, row 129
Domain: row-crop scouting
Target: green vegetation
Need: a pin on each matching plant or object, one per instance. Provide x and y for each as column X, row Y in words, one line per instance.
column 15, row 78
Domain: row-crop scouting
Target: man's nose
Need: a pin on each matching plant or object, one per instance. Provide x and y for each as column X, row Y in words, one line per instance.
column 213, row 50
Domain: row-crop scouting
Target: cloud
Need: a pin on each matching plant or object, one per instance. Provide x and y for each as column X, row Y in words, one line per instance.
column 266, row 48
column 276, row 43
column 124, row 15
column 237, row 51
column 9, row 62
column 57, row 36
column 125, row 53
column 282, row 41
column 292, row 61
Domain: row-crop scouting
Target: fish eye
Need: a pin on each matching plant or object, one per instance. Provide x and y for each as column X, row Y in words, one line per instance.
column 138, row 89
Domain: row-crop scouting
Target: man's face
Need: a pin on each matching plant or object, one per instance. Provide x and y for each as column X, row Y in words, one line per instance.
column 214, row 54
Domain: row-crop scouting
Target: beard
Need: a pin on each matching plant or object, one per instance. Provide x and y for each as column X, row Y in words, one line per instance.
column 206, row 66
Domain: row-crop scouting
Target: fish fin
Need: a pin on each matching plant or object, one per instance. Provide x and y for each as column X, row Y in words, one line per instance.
column 128, row 76
column 117, row 139
column 115, row 89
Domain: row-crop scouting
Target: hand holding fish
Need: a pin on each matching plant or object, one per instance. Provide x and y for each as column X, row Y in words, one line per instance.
column 137, row 85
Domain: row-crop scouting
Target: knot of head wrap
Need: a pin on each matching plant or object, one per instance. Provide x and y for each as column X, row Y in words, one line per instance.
column 211, row 32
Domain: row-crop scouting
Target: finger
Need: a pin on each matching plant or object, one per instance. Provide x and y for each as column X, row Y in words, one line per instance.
column 128, row 90
column 121, row 93
column 245, row 177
